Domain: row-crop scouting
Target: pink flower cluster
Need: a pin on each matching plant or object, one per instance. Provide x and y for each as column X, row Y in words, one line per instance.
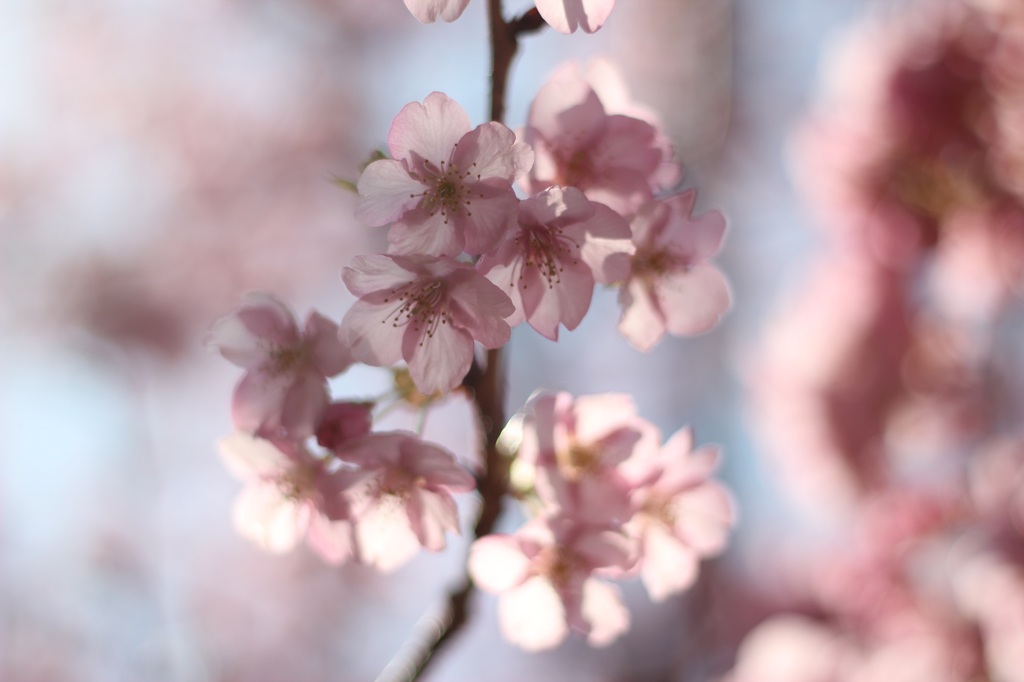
column 891, row 391
column 375, row 497
column 612, row 502
column 468, row 259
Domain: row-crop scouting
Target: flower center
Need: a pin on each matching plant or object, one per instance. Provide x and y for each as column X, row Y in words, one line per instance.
column 546, row 248
column 578, row 460
column 664, row 509
column 557, row 564
column 288, row 359
column 424, row 305
column 448, row 193
column 576, row 169
column 656, row 263
column 298, row 483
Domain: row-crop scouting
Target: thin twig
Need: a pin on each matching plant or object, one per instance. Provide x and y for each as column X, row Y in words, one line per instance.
column 486, row 386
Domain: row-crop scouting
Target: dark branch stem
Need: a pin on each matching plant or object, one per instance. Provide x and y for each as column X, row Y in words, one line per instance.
column 486, row 386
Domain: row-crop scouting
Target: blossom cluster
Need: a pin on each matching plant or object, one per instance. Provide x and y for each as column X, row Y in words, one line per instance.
column 468, row 259
column 375, row 497
column 488, row 229
column 611, row 501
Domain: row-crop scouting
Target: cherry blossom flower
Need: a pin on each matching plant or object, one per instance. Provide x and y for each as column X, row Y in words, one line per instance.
column 448, row 187
column 426, row 311
column 284, row 389
column 429, row 11
column 615, row 159
column 289, row 494
column 544, row 576
column 406, row 501
column 565, row 16
column 671, row 286
column 548, row 265
column 681, row 515
column 580, row 447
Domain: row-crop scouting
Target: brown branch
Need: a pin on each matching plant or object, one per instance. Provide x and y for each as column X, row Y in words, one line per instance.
column 486, row 386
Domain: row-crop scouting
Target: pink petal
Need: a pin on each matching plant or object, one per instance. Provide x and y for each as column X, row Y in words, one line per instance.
column 541, row 413
column 439, row 362
column 247, row 456
column 301, row 407
column 497, row 563
column 480, row 307
column 244, row 336
column 627, row 144
column 429, row 11
column 264, row 516
column 236, row 343
column 699, row 239
column 386, row 193
column 603, row 609
column 532, row 616
column 565, row 105
column 607, row 246
column 369, row 331
column 437, row 466
column 486, row 153
column 566, row 301
column 430, row 514
column 683, row 469
column 599, row 415
column 565, row 16
column 649, row 222
column 422, row 232
column 642, row 322
column 693, row 301
column 556, row 205
column 605, row 549
column 489, row 218
column 329, row 355
column 368, row 274
column 384, row 536
column 504, row 275
column 668, row 566
column 333, row 541
column 428, row 131
column 704, row 516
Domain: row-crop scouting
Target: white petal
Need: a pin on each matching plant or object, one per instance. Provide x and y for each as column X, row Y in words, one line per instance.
column 668, row 566
column 532, row 615
column 386, row 193
column 604, row 610
column 497, row 563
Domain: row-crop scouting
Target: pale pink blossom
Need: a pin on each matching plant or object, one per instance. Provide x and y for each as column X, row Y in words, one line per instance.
column 449, row 186
column 424, row 310
column 548, row 265
column 284, row 390
column 681, row 514
column 429, row 11
column 580, row 448
column 406, row 500
column 672, row 286
column 565, row 16
column 615, row 159
column 544, row 576
column 289, row 494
